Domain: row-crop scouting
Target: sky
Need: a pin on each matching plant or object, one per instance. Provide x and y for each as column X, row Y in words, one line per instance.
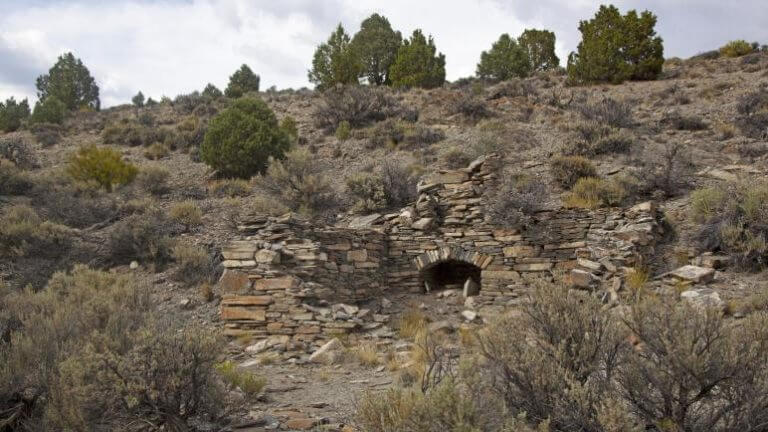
column 170, row 47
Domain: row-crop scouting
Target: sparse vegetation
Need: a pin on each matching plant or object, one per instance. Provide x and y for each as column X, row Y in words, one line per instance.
column 732, row 222
column 567, row 170
column 298, row 183
column 736, row 48
column 591, row 193
column 357, row 105
column 516, row 199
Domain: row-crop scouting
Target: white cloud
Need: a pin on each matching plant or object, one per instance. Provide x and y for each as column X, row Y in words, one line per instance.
column 176, row 46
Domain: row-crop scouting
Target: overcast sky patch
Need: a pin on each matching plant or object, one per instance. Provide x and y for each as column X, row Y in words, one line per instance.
column 168, row 47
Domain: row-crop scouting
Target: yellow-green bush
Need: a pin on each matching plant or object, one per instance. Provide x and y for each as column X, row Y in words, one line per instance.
column 592, row 192
column 157, row 151
column 736, row 48
column 343, row 131
column 101, row 165
column 567, row 170
column 706, row 202
column 186, row 213
column 230, row 188
column 249, row 383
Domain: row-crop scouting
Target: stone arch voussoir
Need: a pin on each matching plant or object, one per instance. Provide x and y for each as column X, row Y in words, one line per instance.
column 449, row 253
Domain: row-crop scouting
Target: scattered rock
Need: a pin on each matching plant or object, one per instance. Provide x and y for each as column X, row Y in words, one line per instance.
column 134, row 265
column 469, row 315
column 327, row 353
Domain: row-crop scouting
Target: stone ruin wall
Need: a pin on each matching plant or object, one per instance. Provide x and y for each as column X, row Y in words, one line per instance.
column 287, row 277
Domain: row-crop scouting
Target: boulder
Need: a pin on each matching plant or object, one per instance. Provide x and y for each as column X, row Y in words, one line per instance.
column 694, row 274
column 704, row 297
column 469, row 315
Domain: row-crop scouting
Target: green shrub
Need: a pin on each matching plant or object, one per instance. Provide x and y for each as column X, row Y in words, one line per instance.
column 615, row 48
column 334, row 62
column 50, row 110
column 288, row 125
column 343, row 131
column 23, row 233
column 194, row 265
column 591, row 193
column 70, row 82
column 505, row 60
column 101, row 165
column 375, row 47
column 186, row 213
column 153, row 179
column 736, row 48
column 242, row 82
column 298, row 183
column 12, row 114
column 89, row 353
column 241, row 140
column 567, row 170
column 247, row 382
column 417, row 63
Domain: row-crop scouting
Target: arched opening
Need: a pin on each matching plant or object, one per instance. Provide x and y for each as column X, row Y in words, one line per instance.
column 452, row 274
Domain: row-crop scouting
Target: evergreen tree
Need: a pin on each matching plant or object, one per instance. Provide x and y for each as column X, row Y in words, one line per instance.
column 49, row 110
column 615, row 48
column 138, row 100
column 375, row 47
column 71, row 83
column 418, row 64
column 12, row 113
column 242, row 82
column 540, row 47
column 506, row 59
column 211, row 91
column 334, row 62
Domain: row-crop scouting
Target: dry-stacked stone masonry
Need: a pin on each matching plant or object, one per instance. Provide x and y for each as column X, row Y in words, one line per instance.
column 286, row 276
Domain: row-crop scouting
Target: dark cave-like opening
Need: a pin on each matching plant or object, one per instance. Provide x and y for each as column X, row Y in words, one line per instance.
column 452, row 274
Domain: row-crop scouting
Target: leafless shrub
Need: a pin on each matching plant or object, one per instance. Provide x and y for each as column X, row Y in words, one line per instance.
column 680, row 122
column 608, row 111
column 694, row 371
column 555, row 360
column 665, row 167
column 299, row 183
column 143, row 237
column 471, row 107
column 14, row 149
column 358, row 105
column 516, row 199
